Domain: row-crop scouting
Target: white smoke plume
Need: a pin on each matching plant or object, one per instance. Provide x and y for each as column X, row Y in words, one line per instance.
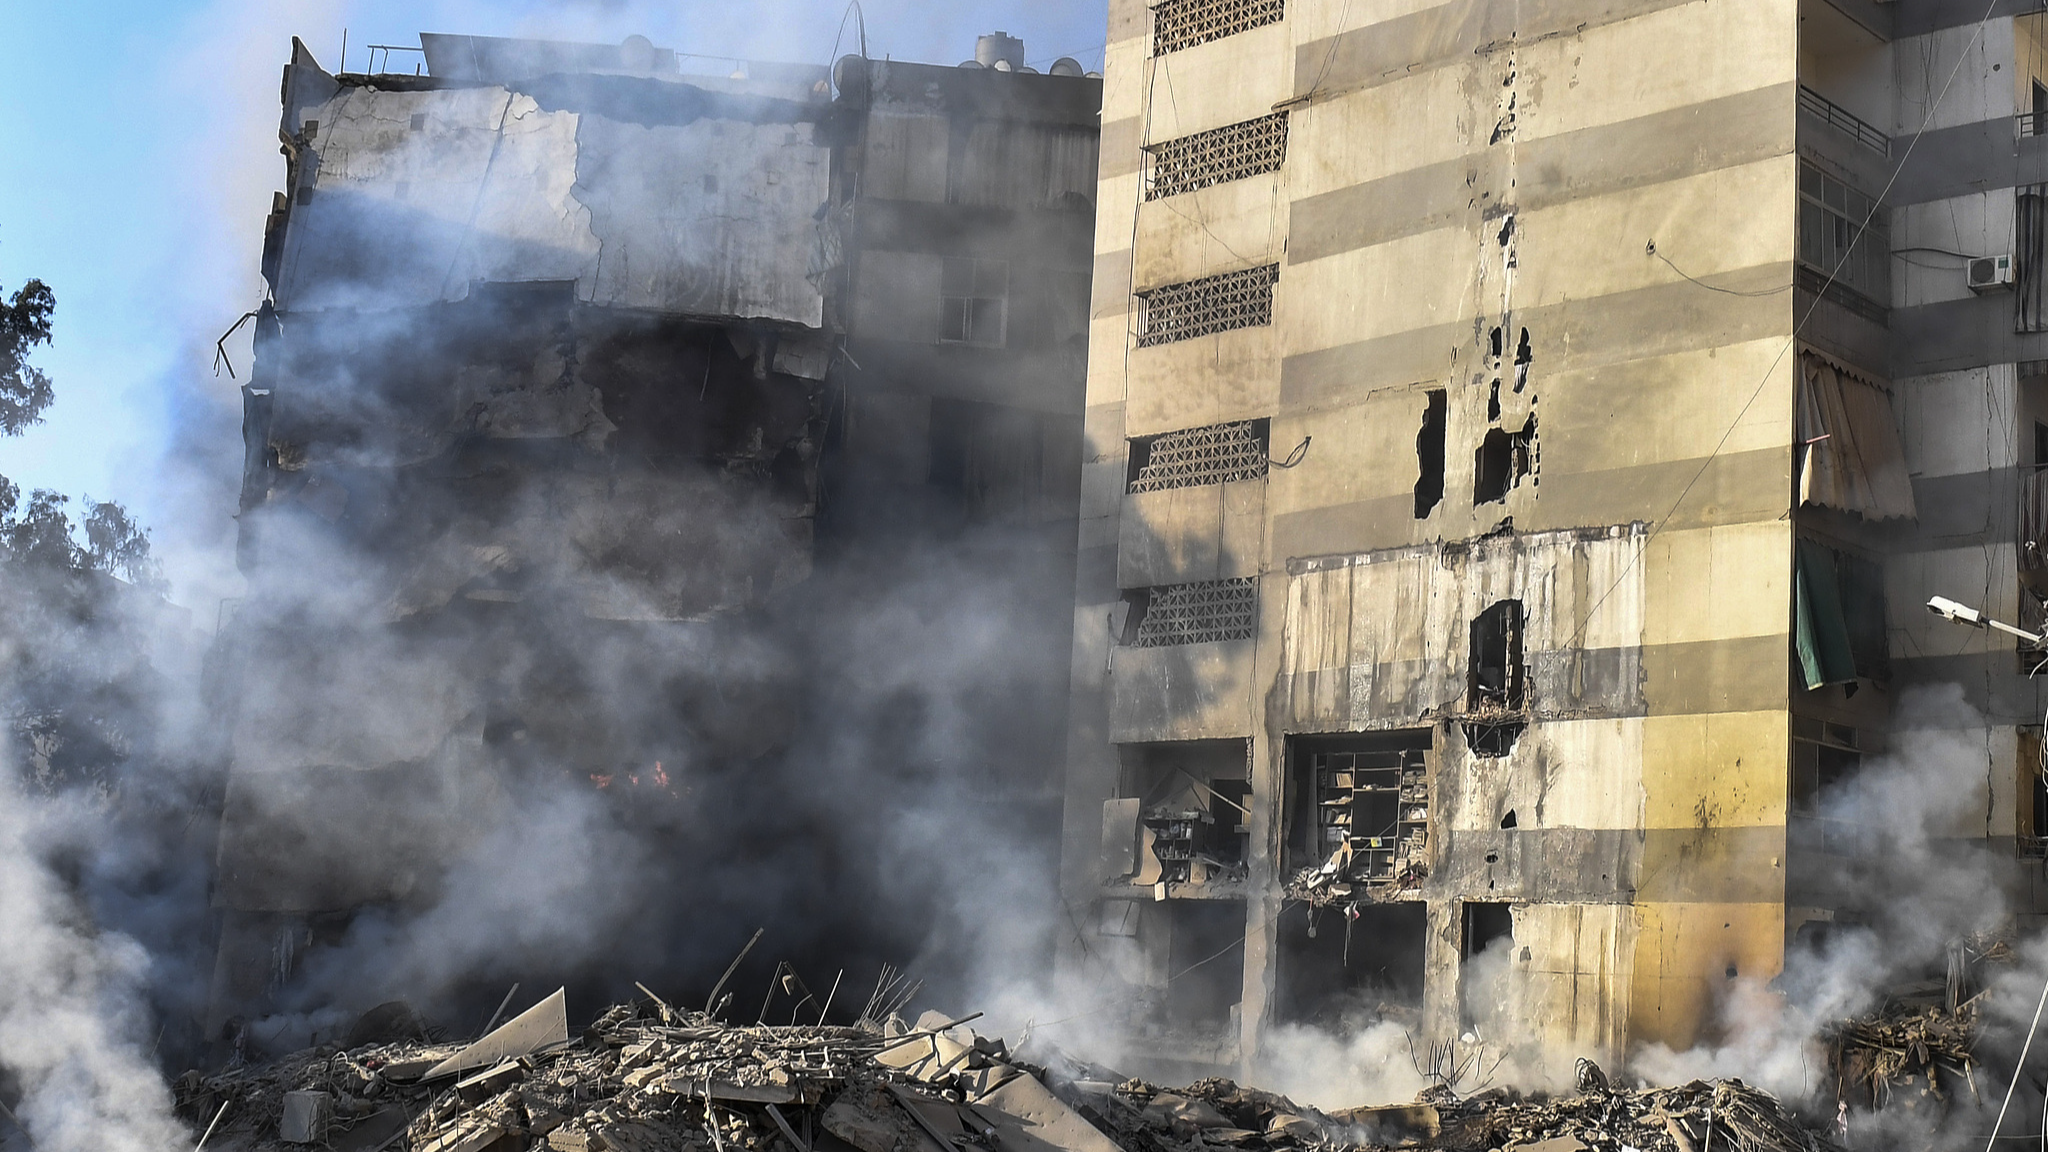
column 75, row 1026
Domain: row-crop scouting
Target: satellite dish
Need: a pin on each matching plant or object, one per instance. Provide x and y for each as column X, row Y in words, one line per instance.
column 1067, row 66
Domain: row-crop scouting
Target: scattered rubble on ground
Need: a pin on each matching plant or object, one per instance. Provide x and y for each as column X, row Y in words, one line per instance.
column 648, row 1078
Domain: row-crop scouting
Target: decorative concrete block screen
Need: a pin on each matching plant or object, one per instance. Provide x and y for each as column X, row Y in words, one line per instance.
column 1218, row 156
column 1198, row 613
column 1178, row 24
column 1216, row 454
column 1212, row 304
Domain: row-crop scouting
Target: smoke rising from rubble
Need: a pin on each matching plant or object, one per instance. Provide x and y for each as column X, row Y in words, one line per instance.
column 74, row 1018
column 542, row 873
column 1919, row 805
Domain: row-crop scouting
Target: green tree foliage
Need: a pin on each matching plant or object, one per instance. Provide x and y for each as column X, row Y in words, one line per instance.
column 24, row 389
column 83, row 597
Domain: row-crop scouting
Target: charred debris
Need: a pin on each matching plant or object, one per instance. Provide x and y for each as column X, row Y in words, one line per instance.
column 648, row 1077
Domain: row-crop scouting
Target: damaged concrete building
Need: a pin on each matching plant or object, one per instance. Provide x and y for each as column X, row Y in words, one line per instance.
column 1520, row 440
column 577, row 366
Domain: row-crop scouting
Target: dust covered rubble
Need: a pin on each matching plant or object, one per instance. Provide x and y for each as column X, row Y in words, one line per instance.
column 647, row 1078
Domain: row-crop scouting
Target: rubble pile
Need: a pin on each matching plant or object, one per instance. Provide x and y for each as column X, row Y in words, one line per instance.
column 1723, row 1114
column 647, row 1078
column 1882, row 1054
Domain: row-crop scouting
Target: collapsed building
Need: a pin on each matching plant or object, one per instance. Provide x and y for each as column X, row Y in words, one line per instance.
column 594, row 399
column 1520, row 440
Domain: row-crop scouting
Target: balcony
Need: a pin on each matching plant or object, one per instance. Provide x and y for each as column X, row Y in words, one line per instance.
column 1861, row 130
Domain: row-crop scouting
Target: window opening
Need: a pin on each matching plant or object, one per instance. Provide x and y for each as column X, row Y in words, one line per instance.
column 1838, row 617
column 1215, row 454
column 1833, row 242
column 1496, row 685
column 1501, row 460
column 1345, row 967
column 1495, row 676
column 1224, row 303
column 1199, row 613
column 1429, row 453
column 1486, row 924
column 1217, row 156
column 1364, row 821
column 1178, row 24
column 1825, row 756
column 974, row 301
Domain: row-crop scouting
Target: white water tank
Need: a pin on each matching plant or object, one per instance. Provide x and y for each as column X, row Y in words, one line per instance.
column 1000, row 47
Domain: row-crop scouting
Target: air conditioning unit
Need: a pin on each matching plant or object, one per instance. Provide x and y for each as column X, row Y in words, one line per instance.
column 1989, row 273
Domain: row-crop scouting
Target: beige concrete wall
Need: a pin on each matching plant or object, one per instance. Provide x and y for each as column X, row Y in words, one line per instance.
column 1452, row 169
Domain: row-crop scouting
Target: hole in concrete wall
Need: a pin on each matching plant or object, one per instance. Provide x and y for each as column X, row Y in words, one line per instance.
column 1524, row 356
column 1353, row 970
column 1506, row 236
column 1205, row 963
column 1493, row 342
column 1493, row 400
column 1495, row 677
column 1501, row 460
column 1429, row 453
column 1493, row 738
column 1508, row 821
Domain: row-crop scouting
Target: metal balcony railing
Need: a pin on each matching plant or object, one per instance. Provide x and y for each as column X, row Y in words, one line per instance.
column 2030, row 124
column 1865, row 133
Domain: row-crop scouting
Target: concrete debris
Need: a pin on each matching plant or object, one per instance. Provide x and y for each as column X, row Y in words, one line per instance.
column 543, row 1025
column 651, row 1078
column 1879, row 1056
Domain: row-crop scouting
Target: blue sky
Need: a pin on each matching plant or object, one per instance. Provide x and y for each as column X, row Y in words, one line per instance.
column 140, row 152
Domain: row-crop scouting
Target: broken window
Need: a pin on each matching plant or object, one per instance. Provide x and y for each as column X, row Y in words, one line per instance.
column 1215, row 454
column 1485, row 924
column 1200, row 613
column 1496, row 680
column 1825, row 755
column 1361, row 812
column 1844, row 243
column 1495, row 676
column 1242, row 299
column 974, row 301
column 1429, row 453
column 1501, row 460
column 1178, row 24
column 1344, row 967
column 2031, row 812
column 1192, row 801
column 1486, row 929
column 1838, row 616
column 1217, row 156
column 2030, row 259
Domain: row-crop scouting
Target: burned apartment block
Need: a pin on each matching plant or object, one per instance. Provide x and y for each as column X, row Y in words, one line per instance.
column 594, row 400
column 1514, row 473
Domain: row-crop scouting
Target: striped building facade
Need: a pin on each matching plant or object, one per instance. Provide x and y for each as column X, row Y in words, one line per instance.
column 1444, row 629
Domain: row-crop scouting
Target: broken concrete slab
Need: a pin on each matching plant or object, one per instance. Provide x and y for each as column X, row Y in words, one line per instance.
column 544, row 1024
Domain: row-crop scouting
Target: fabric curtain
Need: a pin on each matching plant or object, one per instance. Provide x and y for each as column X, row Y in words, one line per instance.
column 1820, row 629
column 1850, row 456
column 2030, row 259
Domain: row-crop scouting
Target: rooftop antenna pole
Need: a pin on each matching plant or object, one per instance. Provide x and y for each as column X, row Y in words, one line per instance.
column 344, row 53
